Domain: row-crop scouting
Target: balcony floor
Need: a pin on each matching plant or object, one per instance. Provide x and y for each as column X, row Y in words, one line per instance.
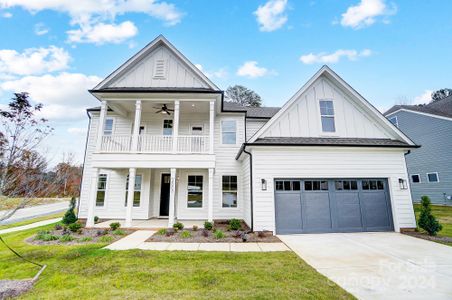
column 150, row 224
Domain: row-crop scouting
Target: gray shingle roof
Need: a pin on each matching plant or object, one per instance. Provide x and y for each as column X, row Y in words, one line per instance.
column 316, row 141
column 440, row 108
column 252, row 112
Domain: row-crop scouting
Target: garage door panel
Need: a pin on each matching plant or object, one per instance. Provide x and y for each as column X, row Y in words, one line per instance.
column 348, row 211
column 376, row 210
column 316, row 211
column 288, row 213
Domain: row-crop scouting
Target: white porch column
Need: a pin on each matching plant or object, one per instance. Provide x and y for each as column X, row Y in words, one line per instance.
column 101, row 124
column 210, row 200
column 136, row 126
column 211, row 126
column 172, row 197
column 130, row 193
column 92, row 198
column 176, row 125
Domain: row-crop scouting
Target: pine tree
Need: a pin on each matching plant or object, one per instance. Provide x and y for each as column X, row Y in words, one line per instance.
column 69, row 216
column 427, row 221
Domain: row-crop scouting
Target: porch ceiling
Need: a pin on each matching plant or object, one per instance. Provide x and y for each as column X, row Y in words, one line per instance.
column 151, row 106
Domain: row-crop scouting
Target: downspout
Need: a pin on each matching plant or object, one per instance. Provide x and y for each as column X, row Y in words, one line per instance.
column 83, row 166
column 251, row 186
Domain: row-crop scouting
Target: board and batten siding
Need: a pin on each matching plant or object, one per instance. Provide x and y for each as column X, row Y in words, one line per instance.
column 253, row 125
column 302, row 118
column 270, row 163
column 435, row 154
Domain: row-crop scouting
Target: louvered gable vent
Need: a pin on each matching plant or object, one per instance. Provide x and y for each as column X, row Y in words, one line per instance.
column 160, row 69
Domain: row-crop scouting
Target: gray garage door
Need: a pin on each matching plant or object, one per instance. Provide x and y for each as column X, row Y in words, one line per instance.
column 332, row 205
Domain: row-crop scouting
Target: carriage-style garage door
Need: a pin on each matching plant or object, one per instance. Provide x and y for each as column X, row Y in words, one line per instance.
column 332, row 205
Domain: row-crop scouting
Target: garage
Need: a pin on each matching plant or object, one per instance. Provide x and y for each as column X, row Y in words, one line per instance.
column 332, row 205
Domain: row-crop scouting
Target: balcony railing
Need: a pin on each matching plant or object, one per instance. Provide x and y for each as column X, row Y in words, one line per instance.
column 155, row 144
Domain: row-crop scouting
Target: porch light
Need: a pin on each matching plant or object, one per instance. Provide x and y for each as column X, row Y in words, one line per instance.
column 264, row 184
column 403, row 184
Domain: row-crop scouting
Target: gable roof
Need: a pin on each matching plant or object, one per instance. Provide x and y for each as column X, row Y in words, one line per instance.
column 442, row 108
column 149, row 48
column 251, row 112
column 330, row 74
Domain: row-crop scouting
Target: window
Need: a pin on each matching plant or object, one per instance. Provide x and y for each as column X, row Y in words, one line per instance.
column 167, row 127
column 101, row 189
column 196, row 130
column 108, row 127
column 160, row 69
column 194, row 195
column 327, row 115
column 137, row 190
column 373, row 185
column 229, row 191
column 316, row 185
column 394, row 121
column 415, row 178
column 228, row 132
column 287, row 185
column 433, row 177
column 347, row 185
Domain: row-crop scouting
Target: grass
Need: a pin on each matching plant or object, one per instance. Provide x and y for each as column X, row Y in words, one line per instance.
column 9, row 203
column 88, row 271
column 26, row 222
column 444, row 216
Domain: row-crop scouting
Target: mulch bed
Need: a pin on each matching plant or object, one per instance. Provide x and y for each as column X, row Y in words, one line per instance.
column 14, row 288
column 440, row 239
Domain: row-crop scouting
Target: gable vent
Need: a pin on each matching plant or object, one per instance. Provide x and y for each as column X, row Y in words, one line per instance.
column 160, row 69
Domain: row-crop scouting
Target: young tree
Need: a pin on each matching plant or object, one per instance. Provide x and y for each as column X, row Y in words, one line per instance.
column 427, row 221
column 244, row 96
column 441, row 94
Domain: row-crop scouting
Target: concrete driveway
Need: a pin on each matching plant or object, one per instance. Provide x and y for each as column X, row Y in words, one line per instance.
column 379, row 265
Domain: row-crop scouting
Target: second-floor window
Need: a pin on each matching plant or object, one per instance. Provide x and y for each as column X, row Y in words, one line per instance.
column 167, row 127
column 108, row 127
column 228, row 132
column 327, row 115
column 394, row 121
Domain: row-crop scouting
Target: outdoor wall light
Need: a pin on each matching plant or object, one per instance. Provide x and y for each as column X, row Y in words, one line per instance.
column 264, row 184
column 403, row 184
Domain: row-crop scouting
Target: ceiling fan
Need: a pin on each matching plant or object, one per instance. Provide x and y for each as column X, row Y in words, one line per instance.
column 163, row 109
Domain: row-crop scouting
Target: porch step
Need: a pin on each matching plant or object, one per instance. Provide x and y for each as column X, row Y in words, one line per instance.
column 131, row 241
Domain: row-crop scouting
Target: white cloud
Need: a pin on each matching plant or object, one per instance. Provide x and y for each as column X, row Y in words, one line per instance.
column 220, row 73
column 271, row 15
column 77, row 130
column 366, row 12
column 33, row 61
column 41, row 29
column 251, row 70
column 334, row 57
column 7, row 15
column 90, row 14
column 65, row 96
column 423, row 98
column 103, row 33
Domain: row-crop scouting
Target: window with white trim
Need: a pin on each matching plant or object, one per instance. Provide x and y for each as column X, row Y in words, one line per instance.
column 415, row 178
column 228, row 132
column 230, row 192
column 327, row 115
column 101, row 189
column 167, row 127
column 433, row 177
column 108, row 127
column 136, row 192
column 194, row 191
column 394, row 121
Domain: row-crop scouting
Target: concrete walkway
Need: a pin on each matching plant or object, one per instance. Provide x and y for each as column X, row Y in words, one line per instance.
column 29, row 226
column 35, row 212
column 137, row 240
column 385, row 265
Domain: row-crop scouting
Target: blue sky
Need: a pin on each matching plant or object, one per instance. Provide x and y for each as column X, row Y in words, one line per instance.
column 389, row 51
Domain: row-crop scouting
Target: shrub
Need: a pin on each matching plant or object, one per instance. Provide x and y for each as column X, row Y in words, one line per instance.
column 219, row 234
column 74, row 227
column 58, row 226
column 234, row 224
column 106, row 239
column 96, row 219
column 102, row 232
column 195, row 227
column 205, row 233
column 162, row 231
column 45, row 236
column 178, row 226
column 115, row 225
column 185, row 234
column 69, row 216
column 427, row 221
column 66, row 238
column 208, row 225
column 119, row 232
column 85, row 239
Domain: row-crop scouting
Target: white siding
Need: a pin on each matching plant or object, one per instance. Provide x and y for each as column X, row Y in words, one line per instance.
column 271, row 163
column 302, row 118
column 253, row 125
column 178, row 74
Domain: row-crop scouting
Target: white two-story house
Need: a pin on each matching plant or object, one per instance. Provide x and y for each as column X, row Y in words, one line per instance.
column 164, row 144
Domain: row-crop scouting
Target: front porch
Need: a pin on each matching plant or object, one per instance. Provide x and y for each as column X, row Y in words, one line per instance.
column 153, row 224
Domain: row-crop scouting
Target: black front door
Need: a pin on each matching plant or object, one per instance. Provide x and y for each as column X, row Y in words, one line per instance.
column 164, row 195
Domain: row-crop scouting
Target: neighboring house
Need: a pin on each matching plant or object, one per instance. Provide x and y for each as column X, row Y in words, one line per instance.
column 165, row 144
column 429, row 167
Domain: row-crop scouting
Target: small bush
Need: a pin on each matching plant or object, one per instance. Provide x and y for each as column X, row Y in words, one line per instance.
column 185, row 234
column 162, row 231
column 118, row 232
column 195, row 227
column 205, row 233
column 427, row 221
column 69, row 216
column 106, row 239
column 45, row 236
column 178, row 225
column 58, row 226
column 74, row 227
column 234, row 224
column 219, row 234
column 96, row 219
column 85, row 239
column 115, row 225
column 66, row 238
column 102, row 232
column 208, row 225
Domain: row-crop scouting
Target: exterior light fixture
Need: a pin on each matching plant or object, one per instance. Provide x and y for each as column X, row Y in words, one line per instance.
column 403, row 184
column 264, row 184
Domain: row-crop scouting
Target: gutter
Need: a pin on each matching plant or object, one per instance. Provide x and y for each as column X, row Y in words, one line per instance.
column 84, row 160
column 251, row 187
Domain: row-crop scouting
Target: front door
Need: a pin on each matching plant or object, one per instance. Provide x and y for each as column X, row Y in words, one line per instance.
column 164, row 195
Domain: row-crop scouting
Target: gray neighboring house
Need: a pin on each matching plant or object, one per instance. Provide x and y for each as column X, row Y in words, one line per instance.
column 430, row 166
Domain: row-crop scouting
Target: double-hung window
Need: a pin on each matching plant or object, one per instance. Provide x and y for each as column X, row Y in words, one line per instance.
column 327, row 115
column 101, row 189
column 136, row 192
column 108, row 127
column 194, row 191
column 228, row 132
column 229, row 191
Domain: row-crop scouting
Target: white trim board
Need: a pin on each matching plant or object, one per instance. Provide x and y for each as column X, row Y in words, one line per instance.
column 419, row 113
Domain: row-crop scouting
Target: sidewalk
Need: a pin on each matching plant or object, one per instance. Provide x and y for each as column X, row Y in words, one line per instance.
column 35, row 211
column 29, row 226
column 137, row 240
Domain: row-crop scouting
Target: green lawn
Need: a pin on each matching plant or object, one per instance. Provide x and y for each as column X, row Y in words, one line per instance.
column 444, row 216
column 29, row 221
column 91, row 272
